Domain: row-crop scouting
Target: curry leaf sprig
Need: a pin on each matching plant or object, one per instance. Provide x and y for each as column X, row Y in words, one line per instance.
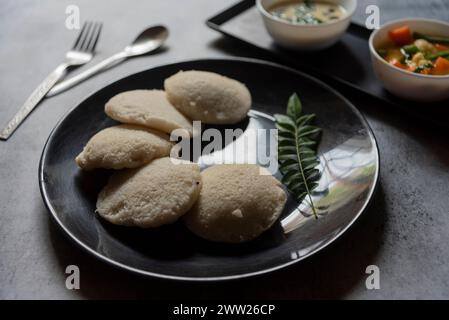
column 297, row 143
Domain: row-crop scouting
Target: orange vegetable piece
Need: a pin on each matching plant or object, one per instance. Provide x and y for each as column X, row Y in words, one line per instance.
column 441, row 47
column 397, row 63
column 441, row 66
column 401, row 36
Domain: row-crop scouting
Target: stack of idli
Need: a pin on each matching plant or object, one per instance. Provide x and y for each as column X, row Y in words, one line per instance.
column 237, row 203
column 208, row 97
column 225, row 203
column 156, row 194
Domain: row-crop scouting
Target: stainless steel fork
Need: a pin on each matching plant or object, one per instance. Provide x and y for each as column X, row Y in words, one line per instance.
column 81, row 53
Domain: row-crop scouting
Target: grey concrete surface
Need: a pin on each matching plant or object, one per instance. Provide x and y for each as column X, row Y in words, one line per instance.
column 405, row 231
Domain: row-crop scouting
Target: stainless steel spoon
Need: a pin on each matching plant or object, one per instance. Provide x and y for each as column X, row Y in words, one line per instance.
column 147, row 41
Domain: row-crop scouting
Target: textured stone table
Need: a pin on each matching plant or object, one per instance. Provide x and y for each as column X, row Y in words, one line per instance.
column 405, row 231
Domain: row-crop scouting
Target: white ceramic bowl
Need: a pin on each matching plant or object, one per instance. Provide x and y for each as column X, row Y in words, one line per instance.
column 409, row 85
column 305, row 37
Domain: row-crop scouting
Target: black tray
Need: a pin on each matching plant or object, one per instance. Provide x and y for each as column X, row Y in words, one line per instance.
column 243, row 22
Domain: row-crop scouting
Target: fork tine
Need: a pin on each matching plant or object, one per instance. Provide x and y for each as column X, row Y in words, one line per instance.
column 86, row 37
column 80, row 35
column 95, row 36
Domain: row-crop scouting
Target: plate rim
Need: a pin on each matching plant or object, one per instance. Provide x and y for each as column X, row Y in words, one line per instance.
column 122, row 266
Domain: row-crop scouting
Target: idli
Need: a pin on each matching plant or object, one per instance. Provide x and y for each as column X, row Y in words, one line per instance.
column 236, row 203
column 153, row 195
column 149, row 108
column 208, row 97
column 123, row 146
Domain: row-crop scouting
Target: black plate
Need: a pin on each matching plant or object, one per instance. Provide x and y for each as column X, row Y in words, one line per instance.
column 348, row 149
column 348, row 61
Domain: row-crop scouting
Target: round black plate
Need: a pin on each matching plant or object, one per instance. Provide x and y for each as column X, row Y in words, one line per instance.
column 348, row 154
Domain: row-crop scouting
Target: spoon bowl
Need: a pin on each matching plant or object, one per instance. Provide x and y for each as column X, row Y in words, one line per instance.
column 148, row 40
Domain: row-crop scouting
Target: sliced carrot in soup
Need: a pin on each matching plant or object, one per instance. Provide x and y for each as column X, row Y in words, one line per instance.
column 441, row 67
column 401, row 36
column 441, row 47
column 397, row 63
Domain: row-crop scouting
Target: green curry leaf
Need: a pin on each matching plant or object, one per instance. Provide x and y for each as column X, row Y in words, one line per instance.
column 298, row 139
